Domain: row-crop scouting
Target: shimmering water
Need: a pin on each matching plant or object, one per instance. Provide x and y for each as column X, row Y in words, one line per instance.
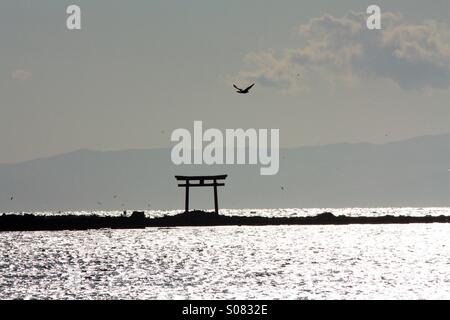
column 274, row 262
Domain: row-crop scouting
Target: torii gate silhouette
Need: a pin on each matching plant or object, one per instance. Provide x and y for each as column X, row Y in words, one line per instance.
column 201, row 183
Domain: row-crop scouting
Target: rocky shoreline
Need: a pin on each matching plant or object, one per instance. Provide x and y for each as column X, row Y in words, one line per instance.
column 138, row 220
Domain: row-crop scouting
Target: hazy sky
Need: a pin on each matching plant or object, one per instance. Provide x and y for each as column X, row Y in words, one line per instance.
column 139, row 69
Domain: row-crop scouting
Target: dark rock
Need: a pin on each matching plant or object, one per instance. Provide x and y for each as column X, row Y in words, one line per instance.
column 326, row 215
column 30, row 222
column 138, row 215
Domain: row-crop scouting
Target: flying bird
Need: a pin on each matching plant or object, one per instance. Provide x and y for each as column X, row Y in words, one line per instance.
column 243, row 91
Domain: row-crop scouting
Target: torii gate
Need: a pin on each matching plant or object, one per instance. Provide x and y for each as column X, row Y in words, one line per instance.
column 201, row 183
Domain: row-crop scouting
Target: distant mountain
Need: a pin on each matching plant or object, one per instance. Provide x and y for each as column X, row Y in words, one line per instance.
column 413, row 172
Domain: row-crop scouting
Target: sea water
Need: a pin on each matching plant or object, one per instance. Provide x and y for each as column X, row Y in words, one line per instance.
column 232, row 262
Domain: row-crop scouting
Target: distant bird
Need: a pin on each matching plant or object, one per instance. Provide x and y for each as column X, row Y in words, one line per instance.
column 99, row 203
column 12, row 198
column 282, row 188
column 115, row 196
column 243, row 91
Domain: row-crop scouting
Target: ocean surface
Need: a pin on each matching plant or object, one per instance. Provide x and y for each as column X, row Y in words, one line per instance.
column 262, row 262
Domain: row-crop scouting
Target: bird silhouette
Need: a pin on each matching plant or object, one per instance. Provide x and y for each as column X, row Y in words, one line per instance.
column 12, row 198
column 243, row 91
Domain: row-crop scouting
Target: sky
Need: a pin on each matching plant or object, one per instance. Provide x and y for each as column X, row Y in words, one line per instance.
column 140, row 69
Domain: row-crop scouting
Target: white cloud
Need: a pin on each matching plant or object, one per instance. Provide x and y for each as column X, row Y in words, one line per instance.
column 342, row 49
column 21, row 75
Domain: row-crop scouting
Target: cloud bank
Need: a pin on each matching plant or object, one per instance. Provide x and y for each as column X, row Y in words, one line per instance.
column 343, row 50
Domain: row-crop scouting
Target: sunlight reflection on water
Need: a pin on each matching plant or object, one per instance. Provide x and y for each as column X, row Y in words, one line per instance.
column 275, row 262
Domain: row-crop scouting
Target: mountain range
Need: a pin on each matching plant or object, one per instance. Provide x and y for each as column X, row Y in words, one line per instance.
column 412, row 173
